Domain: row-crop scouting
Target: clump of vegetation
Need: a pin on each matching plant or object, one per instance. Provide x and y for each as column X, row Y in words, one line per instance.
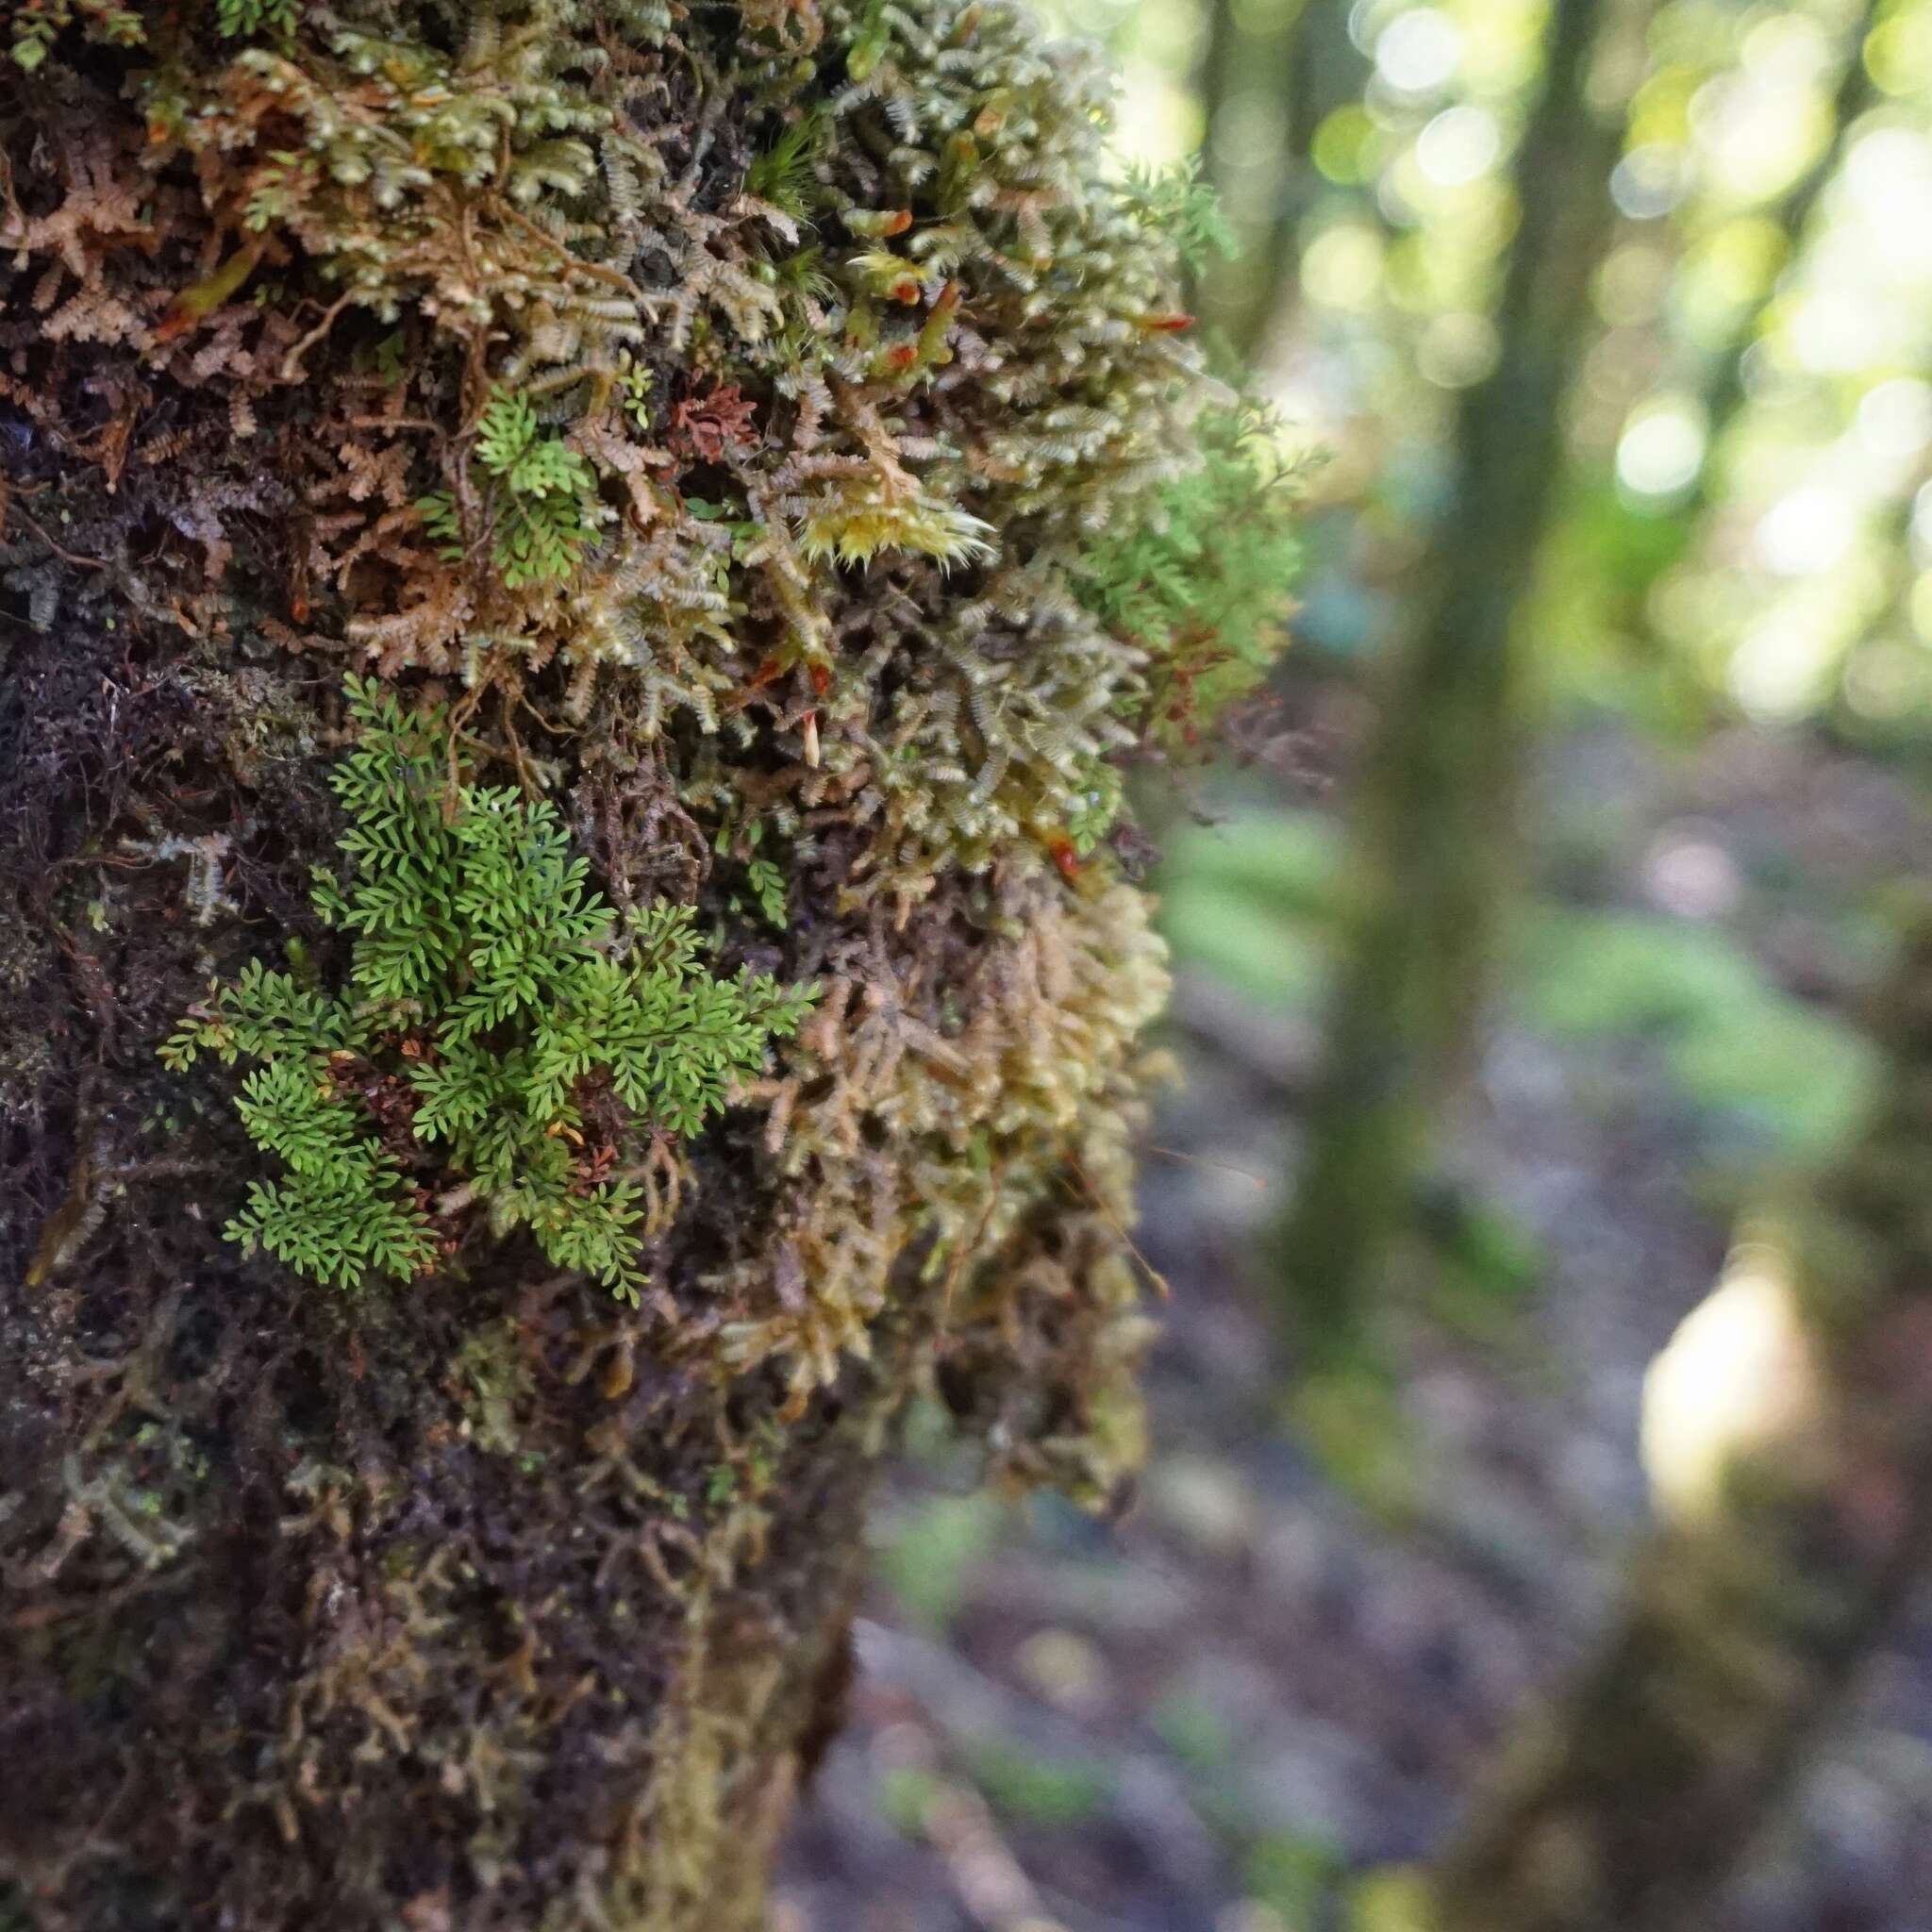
column 503, row 1037
column 543, row 509
column 721, row 409
column 36, row 23
column 1178, row 204
column 1202, row 576
column 237, row 18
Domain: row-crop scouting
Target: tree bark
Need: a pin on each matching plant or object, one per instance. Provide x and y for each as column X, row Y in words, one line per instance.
column 1789, row 1428
column 485, row 1600
column 1431, row 827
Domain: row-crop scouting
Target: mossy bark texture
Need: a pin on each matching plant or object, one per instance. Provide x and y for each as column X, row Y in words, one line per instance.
column 1791, row 1537
column 825, row 349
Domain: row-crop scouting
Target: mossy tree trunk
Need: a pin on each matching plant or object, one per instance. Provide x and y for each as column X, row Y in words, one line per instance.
column 1431, row 829
column 1789, row 1430
column 695, row 420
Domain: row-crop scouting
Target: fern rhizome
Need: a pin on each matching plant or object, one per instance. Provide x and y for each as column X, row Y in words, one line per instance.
column 503, row 1042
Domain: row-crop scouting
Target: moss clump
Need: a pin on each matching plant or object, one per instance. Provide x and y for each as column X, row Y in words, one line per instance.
column 749, row 448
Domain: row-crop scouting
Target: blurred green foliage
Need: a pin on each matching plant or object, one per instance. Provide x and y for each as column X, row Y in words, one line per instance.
column 1053, row 1793
column 1195, row 1731
column 1749, row 484
column 907, row 1795
column 1790, row 1073
column 931, row 1549
column 1245, row 901
column 1293, row 1875
column 1394, row 1899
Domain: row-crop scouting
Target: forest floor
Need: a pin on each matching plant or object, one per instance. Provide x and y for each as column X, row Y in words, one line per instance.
column 1275, row 1677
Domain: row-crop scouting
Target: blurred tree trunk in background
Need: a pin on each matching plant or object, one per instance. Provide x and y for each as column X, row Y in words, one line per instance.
column 1434, row 790
column 1788, row 1432
column 1272, row 72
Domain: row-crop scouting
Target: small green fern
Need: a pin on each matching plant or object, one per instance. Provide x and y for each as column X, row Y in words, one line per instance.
column 635, row 382
column 237, row 18
column 1177, row 200
column 502, row 1038
column 36, row 23
column 1201, row 579
column 764, row 878
column 544, row 504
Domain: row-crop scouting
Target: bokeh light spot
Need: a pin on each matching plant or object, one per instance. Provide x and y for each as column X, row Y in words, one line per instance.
column 1885, row 679
column 1648, row 181
column 1662, row 449
column 1456, row 350
column 1807, row 532
column 1898, row 55
column 1418, row 50
column 1919, row 603
column 1778, row 670
column 1459, row 146
column 1342, row 267
column 1894, row 417
column 1340, row 149
column 1921, row 529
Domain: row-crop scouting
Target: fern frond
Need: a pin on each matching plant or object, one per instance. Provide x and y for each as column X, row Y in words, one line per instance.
column 489, row 988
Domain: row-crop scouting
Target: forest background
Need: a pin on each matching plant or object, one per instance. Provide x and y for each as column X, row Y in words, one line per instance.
column 1662, row 495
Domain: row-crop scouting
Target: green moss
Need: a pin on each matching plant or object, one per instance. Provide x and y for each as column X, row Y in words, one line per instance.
column 1048, row 1793
column 721, row 419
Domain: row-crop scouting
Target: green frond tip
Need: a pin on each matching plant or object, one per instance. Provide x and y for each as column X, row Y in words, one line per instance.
column 543, row 503
column 1201, row 576
column 239, row 18
column 35, row 27
column 1184, row 206
column 502, row 1044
